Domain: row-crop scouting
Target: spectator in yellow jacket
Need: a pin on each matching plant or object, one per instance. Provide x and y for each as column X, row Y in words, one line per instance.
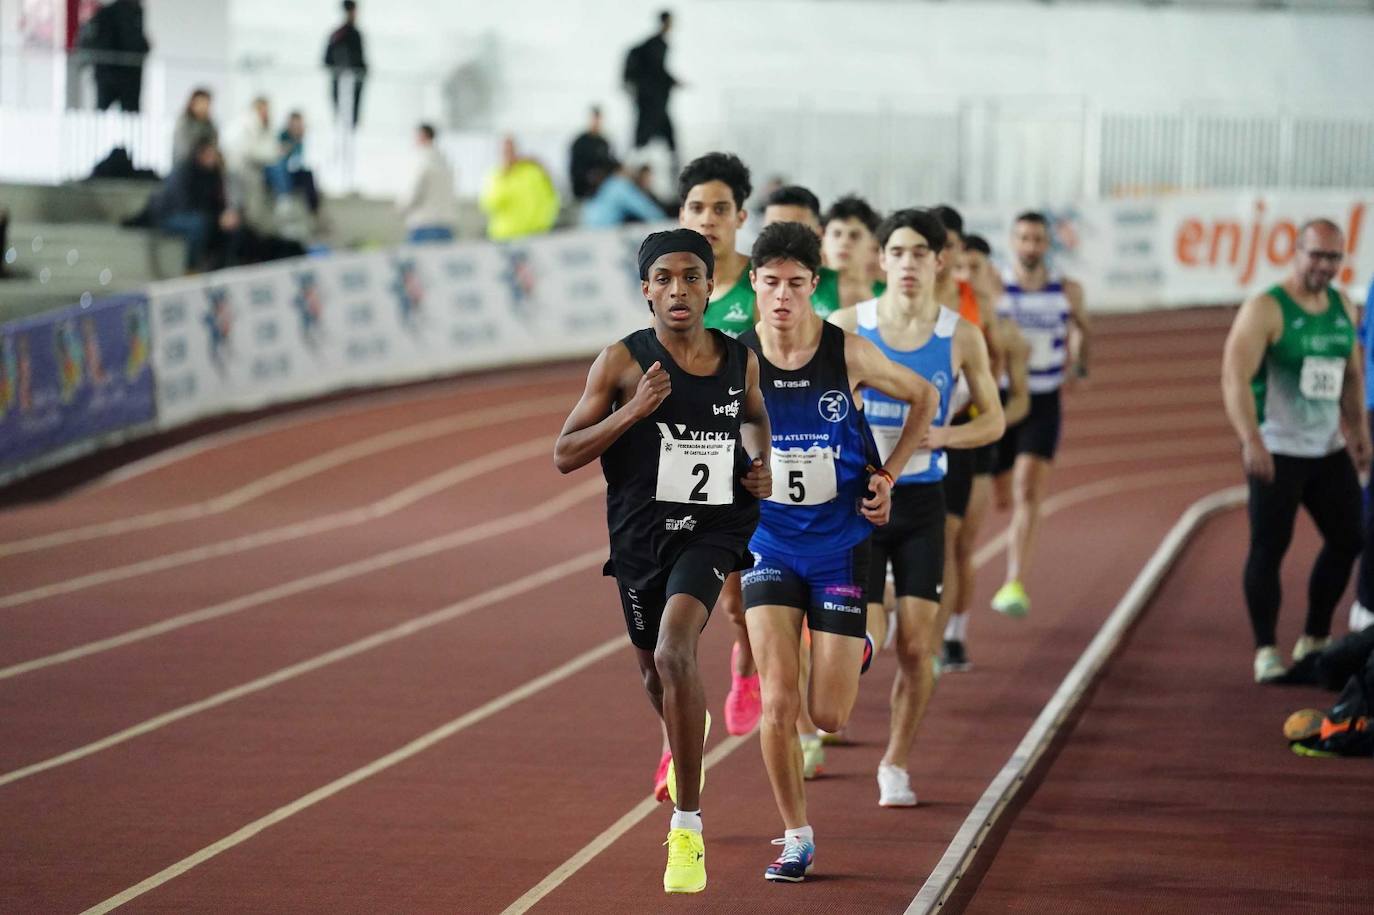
column 518, row 197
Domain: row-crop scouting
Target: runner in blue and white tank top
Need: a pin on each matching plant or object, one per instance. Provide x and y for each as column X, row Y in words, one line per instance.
column 1048, row 309
column 908, row 325
column 810, row 548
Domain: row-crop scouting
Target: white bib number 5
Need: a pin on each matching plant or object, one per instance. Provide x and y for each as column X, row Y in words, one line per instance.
column 696, row 473
column 804, row 477
column 1321, row 378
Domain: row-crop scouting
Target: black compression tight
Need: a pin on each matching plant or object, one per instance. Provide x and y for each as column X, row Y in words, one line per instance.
column 1330, row 491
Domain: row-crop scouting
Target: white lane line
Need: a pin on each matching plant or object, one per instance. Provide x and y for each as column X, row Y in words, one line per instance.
column 301, row 416
column 620, row 827
column 959, row 854
column 380, row 508
column 294, row 473
column 1168, row 448
column 611, row 834
column 415, row 747
column 410, row 627
column 1053, row 505
column 334, row 575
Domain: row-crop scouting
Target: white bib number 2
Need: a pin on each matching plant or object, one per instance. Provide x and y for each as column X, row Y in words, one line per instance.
column 696, row 472
column 1321, row 378
column 804, row 477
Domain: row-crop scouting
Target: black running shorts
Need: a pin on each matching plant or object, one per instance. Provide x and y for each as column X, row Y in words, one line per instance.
column 698, row 572
column 958, row 480
column 913, row 541
column 1037, row 434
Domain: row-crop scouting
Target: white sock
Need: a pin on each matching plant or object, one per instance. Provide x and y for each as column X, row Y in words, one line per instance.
column 957, row 627
column 686, row 819
column 809, row 738
column 804, row 832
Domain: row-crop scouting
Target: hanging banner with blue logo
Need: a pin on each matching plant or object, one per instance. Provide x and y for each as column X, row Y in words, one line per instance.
column 73, row 376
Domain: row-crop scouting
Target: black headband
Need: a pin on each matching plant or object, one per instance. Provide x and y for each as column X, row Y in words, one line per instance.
column 672, row 242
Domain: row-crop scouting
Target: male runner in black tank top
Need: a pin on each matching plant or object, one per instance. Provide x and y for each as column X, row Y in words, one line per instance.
column 674, row 411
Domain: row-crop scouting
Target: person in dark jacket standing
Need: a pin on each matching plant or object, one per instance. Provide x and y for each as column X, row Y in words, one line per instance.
column 118, row 46
column 589, row 155
column 344, row 57
column 647, row 78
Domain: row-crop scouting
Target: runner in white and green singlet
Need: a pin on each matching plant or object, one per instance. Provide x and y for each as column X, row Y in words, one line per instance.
column 1294, row 395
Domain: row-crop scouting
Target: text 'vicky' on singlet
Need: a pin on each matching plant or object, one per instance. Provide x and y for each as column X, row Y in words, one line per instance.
column 673, row 479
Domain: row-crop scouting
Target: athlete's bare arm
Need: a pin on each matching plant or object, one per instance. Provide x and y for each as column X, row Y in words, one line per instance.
column 1258, row 324
column 1352, row 400
column 847, row 319
column 595, row 424
column 1079, row 330
column 868, row 367
column 1016, row 359
column 971, row 360
column 988, row 290
column 756, row 434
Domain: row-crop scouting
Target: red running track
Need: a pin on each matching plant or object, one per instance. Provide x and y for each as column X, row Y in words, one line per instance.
column 361, row 658
column 1174, row 790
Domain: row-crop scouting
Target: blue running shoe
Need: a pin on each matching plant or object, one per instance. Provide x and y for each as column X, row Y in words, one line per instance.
column 797, row 858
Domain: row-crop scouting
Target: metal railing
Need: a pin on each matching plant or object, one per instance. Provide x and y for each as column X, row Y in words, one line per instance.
column 895, row 148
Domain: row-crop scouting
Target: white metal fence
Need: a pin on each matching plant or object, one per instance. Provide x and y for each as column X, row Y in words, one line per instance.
column 895, row 148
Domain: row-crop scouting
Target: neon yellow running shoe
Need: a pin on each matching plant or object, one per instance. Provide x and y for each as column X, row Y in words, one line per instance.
column 672, row 773
column 686, row 871
column 813, row 757
column 1011, row 600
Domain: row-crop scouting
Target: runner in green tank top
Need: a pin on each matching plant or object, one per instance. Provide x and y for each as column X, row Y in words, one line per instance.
column 713, row 189
column 846, row 242
column 1294, row 395
column 1298, row 386
column 797, row 204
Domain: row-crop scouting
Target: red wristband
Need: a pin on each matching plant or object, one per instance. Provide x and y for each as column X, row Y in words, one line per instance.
column 882, row 472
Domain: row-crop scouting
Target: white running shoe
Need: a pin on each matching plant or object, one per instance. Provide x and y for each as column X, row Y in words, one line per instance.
column 1307, row 644
column 1361, row 617
column 894, row 787
column 1268, row 664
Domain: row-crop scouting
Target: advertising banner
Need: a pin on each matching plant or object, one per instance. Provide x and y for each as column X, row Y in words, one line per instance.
column 73, row 377
column 243, row 339
column 1188, row 249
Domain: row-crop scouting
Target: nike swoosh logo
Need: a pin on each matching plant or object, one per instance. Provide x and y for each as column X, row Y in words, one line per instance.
column 734, row 393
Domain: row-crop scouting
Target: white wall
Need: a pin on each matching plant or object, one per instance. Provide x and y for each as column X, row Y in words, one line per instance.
column 557, row 56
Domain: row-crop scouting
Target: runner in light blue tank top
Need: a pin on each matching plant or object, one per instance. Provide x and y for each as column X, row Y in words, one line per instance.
column 908, row 326
column 933, row 362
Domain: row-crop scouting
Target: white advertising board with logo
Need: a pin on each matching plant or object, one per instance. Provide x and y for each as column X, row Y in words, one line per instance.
column 246, row 338
column 1189, row 249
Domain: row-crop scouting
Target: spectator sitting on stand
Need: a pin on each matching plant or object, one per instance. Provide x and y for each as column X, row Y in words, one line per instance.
column 589, row 151
column 194, row 127
column 192, row 203
column 256, row 149
column 617, row 200
column 429, row 208
column 644, row 180
column 518, row 197
column 289, row 174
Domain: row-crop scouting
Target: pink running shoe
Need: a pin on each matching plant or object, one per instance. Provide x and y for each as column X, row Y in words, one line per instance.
column 744, row 703
column 661, row 777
